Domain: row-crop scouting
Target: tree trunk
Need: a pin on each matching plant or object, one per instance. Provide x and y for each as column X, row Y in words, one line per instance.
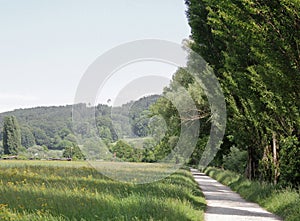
column 275, row 161
column 249, row 168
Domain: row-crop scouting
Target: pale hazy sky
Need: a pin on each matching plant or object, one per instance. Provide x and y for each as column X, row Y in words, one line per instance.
column 46, row 46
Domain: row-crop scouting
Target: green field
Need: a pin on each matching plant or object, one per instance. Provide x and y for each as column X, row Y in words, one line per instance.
column 42, row 190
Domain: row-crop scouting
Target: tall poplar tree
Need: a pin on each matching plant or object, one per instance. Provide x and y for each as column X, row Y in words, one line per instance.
column 11, row 135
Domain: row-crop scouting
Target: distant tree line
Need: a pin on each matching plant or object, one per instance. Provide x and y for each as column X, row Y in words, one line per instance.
column 36, row 131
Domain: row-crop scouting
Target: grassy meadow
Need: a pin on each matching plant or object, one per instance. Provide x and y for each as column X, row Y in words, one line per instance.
column 42, row 190
column 283, row 202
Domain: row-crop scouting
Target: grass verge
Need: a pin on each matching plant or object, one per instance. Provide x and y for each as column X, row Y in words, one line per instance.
column 283, row 202
column 36, row 190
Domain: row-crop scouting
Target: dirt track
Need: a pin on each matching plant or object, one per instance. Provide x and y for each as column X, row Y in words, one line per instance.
column 224, row 204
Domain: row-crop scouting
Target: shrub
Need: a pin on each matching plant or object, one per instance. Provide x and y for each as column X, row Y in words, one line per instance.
column 236, row 160
column 290, row 161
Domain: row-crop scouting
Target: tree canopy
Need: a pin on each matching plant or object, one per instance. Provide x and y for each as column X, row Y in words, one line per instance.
column 11, row 136
column 253, row 47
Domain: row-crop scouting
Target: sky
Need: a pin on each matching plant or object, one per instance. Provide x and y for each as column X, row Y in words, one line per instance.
column 46, row 46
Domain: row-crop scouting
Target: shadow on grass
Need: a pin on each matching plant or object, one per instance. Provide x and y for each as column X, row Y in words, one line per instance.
column 78, row 207
column 115, row 199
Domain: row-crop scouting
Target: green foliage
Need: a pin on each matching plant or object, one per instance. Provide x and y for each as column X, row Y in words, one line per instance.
column 197, row 153
column 140, row 115
column 129, row 120
column 149, row 149
column 64, row 132
column 27, row 138
column 95, row 149
column 253, row 47
column 44, row 122
column 171, row 123
column 157, row 127
column 63, row 144
column 72, row 138
column 11, row 136
column 125, row 152
column 52, row 126
column 73, row 151
column 65, row 191
column 36, row 152
column 236, row 160
column 290, row 161
column 1, row 148
column 283, row 202
column 162, row 149
column 105, row 128
column 41, row 137
column 140, row 124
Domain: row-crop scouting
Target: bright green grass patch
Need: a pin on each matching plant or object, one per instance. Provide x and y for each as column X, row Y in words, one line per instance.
column 37, row 190
column 283, row 202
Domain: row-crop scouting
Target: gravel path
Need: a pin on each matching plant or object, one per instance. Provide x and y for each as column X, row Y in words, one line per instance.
column 224, row 204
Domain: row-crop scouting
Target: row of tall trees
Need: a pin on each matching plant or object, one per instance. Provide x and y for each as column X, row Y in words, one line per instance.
column 254, row 48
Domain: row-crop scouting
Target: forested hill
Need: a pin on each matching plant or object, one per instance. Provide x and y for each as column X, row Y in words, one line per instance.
column 52, row 126
column 49, row 119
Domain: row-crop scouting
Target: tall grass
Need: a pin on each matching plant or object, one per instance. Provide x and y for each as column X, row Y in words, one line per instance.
column 74, row 191
column 283, row 202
